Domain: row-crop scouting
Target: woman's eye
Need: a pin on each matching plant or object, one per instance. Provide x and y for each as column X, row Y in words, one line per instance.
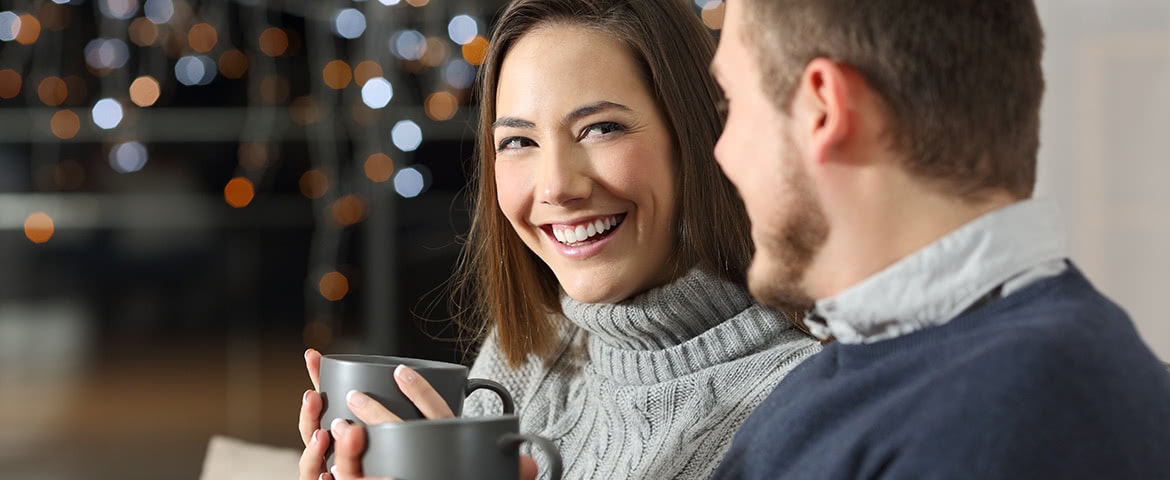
column 513, row 143
column 602, row 129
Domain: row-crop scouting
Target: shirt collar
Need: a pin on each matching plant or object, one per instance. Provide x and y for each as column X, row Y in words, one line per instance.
column 937, row 283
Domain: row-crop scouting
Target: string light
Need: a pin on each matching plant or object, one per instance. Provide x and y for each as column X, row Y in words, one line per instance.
column 9, row 26
column 337, row 74
column 144, row 91
column 10, row 83
column 38, row 227
column 202, row 37
column 333, row 286
column 407, row 135
column 143, row 32
column 52, row 91
column 314, row 184
column 475, row 51
column 159, row 11
column 239, row 192
column 65, row 124
column 349, row 23
column 29, row 30
column 107, row 113
column 379, row 167
column 408, row 44
column 462, row 29
column 441, row 106
column 233, row 64
column 377, row 93
column 366, row 70
column 348, row 210
column 273, row 42
column 128, row 157
column 194, row 70
column 118, row 9
column 410, row 182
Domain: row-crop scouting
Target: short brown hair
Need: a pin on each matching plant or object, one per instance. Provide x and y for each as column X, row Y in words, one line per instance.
column 500, row 282
column 961, row 80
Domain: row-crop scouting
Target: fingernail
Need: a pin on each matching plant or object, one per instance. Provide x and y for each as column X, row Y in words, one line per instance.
column 307, row 353
column 321, row 476
column 305, row 397
column 405, row 373
column 355, row 398
column 313, row 440
column 333, row 470
column 338, row 427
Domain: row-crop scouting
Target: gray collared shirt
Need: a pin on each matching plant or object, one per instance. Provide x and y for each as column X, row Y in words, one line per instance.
column 1009, row 248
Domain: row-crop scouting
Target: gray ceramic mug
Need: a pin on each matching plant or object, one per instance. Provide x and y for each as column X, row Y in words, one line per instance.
column 374, row 376
column 475, row 448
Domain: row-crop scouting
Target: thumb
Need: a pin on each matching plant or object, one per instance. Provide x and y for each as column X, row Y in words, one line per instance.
column 527, row 468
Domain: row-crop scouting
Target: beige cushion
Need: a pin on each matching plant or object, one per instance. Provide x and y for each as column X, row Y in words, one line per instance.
column 232, row 459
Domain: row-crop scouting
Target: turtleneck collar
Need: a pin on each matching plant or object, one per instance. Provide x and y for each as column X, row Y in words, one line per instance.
column 695, row 322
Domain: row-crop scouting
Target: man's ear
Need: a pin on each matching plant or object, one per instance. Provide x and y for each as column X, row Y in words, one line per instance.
column 822, row 107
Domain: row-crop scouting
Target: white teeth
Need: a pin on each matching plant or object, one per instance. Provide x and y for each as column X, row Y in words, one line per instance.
column 580, row 233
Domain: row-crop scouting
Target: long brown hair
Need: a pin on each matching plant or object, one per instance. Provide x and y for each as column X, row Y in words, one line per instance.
column 499, row 281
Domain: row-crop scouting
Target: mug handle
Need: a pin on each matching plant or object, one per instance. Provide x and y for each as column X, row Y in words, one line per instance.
column 513, row 440
column 505, row 397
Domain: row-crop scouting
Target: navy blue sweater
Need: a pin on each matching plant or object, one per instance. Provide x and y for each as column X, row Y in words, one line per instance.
column 1049, row 382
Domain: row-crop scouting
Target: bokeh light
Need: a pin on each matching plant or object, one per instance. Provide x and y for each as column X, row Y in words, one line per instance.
column 333, row 286
column 348, row 210
column 143, row 32
column 418, row 3
column 407, row 135
column 65, row 124
column 459, row 74
column 38, row 227
column 274, row 89
column 239, row 192
column 194, row 70
column 713, row 14
column 366, row 70
column 118, row 9
column 389, row 2
column 233, row 64
column 436, row 52
column 102, row 53
column 475, row 51
column 408, row 44
column 379, row 167
column 202, row 37
column 144, row 91
column 462, row 29
column 159, row 11
column 441, row 106
column 9, row 26
column 377, row 93
column 10, row 83
column 107, row 113
column 55, row 17
column 29, row 30
column 314, row 184
column 273, row 42
column 411, row 181
column 349, row 23
column 337, row 74
column 253, row 155
column 128, row 157
column 304, row 111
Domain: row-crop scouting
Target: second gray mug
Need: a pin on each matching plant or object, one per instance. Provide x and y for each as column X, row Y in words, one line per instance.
column 477, row 448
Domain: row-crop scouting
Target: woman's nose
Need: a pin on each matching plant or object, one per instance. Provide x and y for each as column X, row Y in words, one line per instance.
column 563, row 178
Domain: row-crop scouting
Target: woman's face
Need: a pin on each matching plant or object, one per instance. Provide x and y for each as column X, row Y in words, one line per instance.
column 584, row 165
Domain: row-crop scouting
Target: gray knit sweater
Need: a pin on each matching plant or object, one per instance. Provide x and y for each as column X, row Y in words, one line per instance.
column 653, row 388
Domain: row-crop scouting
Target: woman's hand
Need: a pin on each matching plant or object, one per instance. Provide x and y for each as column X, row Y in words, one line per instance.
column 312, row 464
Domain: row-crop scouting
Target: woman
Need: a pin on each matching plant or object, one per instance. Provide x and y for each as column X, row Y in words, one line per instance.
column 607, row 252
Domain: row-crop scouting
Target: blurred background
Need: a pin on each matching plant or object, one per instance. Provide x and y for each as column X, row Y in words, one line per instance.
column 192, row 192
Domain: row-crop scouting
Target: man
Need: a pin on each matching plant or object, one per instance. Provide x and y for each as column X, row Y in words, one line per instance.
column 886, row 151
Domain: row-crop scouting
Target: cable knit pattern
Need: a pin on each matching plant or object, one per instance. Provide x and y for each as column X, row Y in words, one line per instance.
column 669, row 377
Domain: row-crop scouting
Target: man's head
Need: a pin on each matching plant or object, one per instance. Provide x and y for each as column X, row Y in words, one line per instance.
column 837, row 106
